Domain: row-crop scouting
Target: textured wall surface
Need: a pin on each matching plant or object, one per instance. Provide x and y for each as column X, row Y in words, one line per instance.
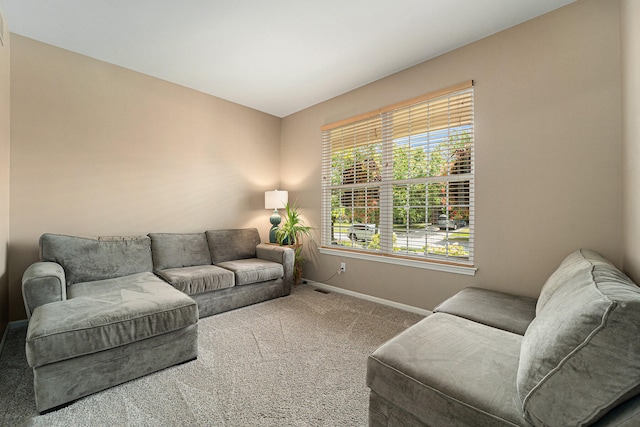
column 101, row 150
column 547, row 141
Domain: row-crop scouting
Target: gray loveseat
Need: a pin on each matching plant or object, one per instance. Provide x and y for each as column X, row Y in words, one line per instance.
column 485, row 358
column 105, row 310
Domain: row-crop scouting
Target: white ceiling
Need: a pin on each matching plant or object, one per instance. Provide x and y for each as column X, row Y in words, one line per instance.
column 277, row 56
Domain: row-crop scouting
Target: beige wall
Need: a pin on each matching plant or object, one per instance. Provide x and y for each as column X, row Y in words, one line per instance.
column 547, row 120
column 630, row 43
column 101, row 150
column 96, row 149
column 4, row 179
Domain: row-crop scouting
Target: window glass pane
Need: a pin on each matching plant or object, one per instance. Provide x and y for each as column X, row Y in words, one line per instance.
column 445, row 244
column 340, row 218
column 357, row 165
column 409, row 218
column 355, row 217
column 449, row 215
column 410, row 158
column 458, row 152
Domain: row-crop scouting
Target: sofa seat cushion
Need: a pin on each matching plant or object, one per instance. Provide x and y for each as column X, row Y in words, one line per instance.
column 253, row 270
column 512, row 313
column 446, row 370
column 174, row 250
column 583, row 340
column 103, row 315
column 198, row 279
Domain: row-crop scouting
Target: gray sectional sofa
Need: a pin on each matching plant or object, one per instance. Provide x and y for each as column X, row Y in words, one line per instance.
column 485, row 358
column 105, row 310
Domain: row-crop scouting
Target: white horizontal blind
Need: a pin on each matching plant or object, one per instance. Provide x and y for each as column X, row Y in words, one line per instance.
column 351, row 179
column 399, row 181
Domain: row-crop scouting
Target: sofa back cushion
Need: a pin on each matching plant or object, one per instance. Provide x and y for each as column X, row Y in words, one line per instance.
column 175, row 250
column 85, row 259
column 565, row 273
column 230, row 245
column 580, row 356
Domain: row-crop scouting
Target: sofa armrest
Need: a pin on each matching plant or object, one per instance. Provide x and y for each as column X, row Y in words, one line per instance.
column 281, row 255
column 42, row 283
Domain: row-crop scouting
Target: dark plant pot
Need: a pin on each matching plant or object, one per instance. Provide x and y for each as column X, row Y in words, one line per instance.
column 286, row 242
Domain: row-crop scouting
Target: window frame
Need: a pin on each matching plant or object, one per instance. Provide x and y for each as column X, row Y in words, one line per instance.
column 383, row 145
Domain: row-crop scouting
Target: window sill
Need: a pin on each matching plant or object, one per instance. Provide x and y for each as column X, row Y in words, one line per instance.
column 407, row 262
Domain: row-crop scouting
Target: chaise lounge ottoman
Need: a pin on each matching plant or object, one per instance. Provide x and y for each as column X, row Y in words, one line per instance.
column 109, row 319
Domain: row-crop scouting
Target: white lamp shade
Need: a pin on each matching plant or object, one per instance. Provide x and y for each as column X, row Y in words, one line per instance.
column 275, row 199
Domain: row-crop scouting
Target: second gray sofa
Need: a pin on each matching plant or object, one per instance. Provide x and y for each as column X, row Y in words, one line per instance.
column 486, row 358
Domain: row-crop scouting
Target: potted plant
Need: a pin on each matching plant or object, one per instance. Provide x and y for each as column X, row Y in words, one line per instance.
column 290, row 234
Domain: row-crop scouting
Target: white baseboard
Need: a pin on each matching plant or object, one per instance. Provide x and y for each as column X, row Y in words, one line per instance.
column 382, row 301
column 11, row 325
column 18, row 323
column 4, row 338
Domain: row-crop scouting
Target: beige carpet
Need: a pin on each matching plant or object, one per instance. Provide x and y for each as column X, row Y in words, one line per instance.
column 293, row 361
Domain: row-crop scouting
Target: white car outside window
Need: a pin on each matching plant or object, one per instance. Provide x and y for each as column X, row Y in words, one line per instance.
column 362, row 232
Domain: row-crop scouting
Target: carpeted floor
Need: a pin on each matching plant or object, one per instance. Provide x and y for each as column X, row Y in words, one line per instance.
column 293, row 361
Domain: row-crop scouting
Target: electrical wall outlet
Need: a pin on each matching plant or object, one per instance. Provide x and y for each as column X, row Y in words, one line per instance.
column 343, row 267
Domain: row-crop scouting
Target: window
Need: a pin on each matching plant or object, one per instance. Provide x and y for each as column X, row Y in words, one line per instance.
column 398, row 182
